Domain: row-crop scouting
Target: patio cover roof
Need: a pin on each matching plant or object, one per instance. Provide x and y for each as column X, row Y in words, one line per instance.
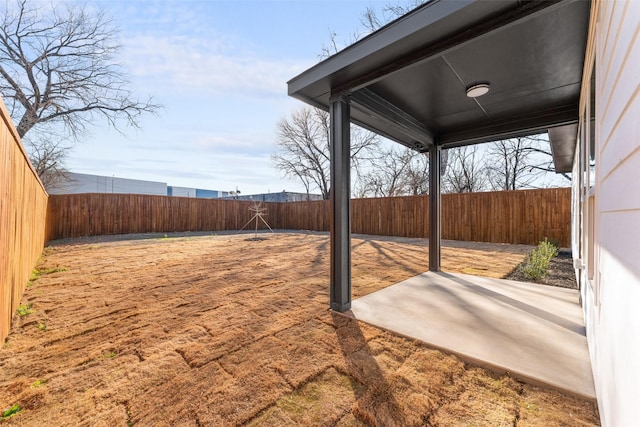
column 407, row 80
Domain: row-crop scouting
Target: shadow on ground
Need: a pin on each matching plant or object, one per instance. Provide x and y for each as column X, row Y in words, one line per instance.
column 217, row 330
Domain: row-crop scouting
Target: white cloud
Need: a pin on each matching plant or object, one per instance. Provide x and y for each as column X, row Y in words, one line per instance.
column 255, row 143
column 207, row 67
column 222, row 92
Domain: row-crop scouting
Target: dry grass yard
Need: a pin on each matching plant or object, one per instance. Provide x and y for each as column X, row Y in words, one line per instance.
column 222, row 331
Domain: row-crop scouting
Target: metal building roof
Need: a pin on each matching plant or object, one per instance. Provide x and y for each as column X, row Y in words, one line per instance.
column 407, row 81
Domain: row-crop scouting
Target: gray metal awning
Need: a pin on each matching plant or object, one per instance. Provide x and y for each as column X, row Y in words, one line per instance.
column 407, row 80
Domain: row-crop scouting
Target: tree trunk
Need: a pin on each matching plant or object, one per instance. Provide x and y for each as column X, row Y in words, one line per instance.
column 26, row 123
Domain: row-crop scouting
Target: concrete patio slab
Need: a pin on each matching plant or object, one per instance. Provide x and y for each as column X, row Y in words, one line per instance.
column 534, row 332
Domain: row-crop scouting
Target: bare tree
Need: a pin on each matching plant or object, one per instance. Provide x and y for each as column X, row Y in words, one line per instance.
column 466, row 171
column 396, row 172
column 58, row 65
column 542, row 156
column 373, row 19
column 303, row 148
column 510, row 163
column 386, row 179
column 47, row 156
column 416, row 177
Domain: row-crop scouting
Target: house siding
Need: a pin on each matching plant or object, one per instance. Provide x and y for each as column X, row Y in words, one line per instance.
column 610, row 301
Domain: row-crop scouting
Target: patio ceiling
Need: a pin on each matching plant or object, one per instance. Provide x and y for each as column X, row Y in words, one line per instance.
column 407, row 81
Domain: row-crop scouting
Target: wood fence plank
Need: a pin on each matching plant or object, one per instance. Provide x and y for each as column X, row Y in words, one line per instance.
column 23, row 210
column 523, row 216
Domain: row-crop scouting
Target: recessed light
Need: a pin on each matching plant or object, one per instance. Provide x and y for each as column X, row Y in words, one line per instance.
column 477, row 89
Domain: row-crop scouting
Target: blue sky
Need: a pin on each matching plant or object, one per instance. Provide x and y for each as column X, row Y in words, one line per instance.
column 220, row 69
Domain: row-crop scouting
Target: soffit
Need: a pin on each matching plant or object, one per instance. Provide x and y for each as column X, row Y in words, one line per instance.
column 407, row 81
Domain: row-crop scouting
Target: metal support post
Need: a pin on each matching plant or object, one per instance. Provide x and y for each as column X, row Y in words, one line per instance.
column 434, row 208
column 340, row 195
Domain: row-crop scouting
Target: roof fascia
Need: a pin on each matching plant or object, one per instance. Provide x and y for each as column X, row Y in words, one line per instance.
column 391, row 33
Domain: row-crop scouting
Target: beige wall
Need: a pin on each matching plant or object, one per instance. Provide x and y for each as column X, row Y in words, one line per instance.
column 611, row 298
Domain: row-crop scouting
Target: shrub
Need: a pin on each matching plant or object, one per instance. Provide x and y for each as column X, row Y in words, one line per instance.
column 536, row 263
column 24, row 309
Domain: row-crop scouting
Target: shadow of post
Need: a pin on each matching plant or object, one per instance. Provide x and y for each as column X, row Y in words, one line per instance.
column 375, row 403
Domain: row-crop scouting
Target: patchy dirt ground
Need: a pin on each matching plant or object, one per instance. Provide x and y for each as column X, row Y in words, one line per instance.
column 218, row 330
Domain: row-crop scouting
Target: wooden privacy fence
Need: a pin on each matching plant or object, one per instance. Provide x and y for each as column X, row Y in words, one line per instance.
column 78, row 215
column 524, row 216
column 23, row 209
column 28, row 217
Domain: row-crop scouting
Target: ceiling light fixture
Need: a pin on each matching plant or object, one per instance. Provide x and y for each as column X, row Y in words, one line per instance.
column 477, row 89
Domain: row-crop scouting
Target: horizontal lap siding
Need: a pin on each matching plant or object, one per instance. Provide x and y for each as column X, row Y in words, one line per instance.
column 23, row 209
column 611, row 305
column 525, row 216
